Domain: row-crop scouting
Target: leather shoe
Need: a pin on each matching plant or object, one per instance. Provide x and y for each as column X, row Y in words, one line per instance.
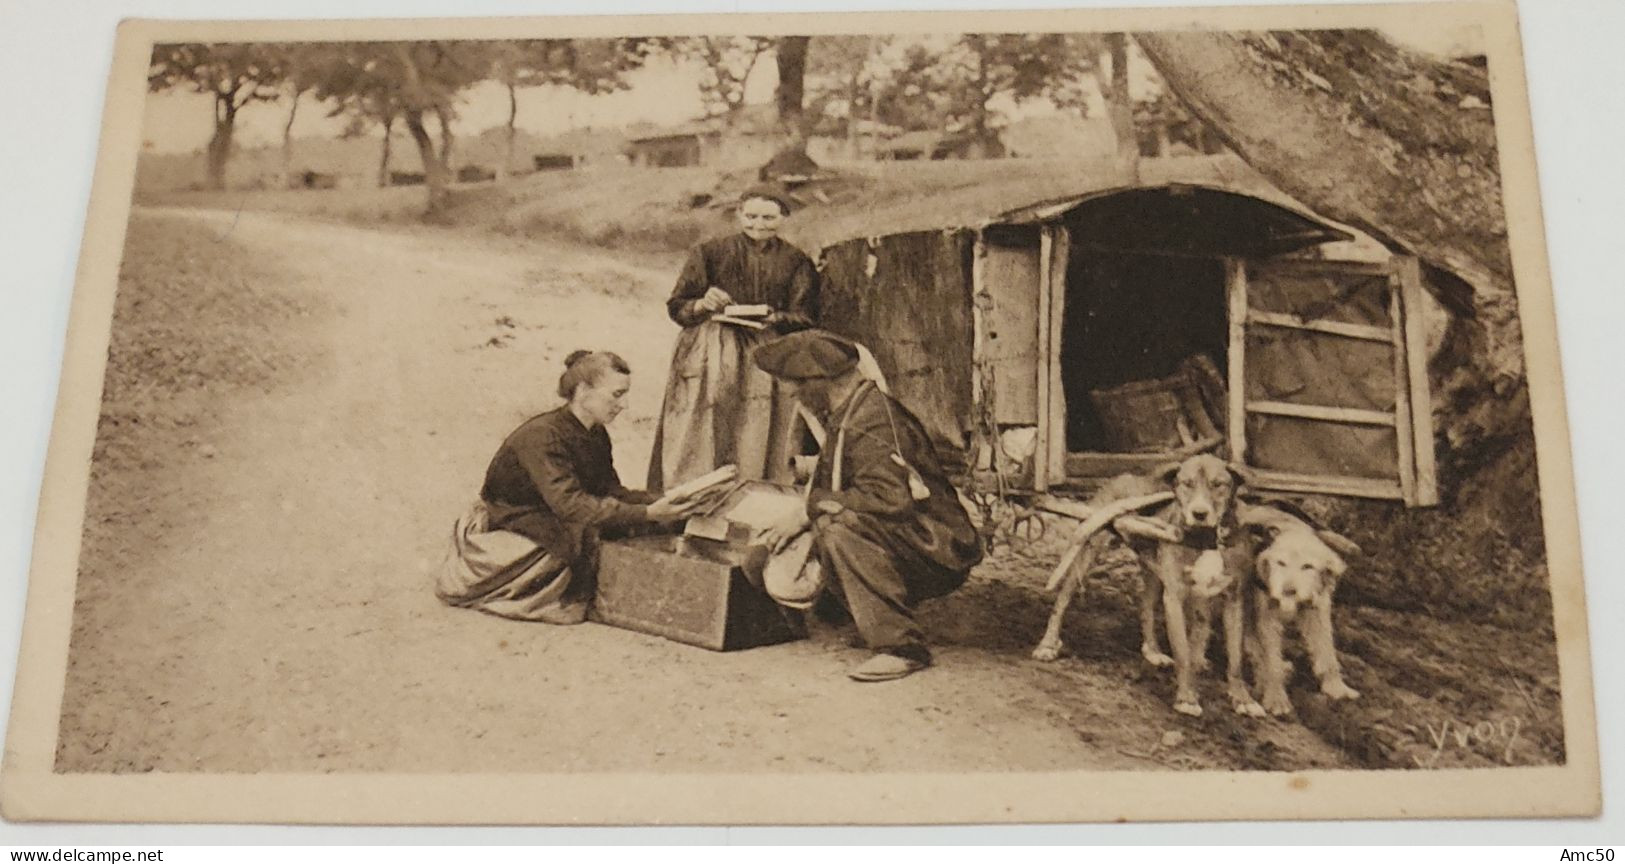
column 885, row 667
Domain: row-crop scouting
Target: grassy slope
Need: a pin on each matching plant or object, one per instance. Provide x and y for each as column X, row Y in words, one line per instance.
column 190, row 324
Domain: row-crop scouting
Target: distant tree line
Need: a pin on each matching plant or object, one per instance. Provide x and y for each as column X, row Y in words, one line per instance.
column 384, row 85
column 831, row 85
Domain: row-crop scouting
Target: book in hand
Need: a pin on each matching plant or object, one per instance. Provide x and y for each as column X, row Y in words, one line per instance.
column 747, row 310
column 739, row 322
column 702, row 485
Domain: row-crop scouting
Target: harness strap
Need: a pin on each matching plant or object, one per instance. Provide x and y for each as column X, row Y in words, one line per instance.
column 840, row 443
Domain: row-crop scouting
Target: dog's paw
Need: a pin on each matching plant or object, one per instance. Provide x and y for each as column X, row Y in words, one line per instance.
column 1336, row 689
column 1156, row 658
column 1186, row 702
column 1250, row 708
column 1276, row 703
column 1242, row 700
column 1047, row 653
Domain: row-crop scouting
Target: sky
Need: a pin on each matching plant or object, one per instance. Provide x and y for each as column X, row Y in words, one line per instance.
column 662, row 92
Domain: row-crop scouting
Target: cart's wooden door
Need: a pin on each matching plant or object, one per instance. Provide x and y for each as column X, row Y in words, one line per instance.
column 1327, row 378
column 1008, row 272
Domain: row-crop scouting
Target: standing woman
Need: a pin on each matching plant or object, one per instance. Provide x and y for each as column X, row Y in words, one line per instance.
column 528, row 547
column 719, row 408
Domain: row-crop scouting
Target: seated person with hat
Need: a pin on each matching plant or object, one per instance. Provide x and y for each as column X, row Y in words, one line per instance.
column 887, row 527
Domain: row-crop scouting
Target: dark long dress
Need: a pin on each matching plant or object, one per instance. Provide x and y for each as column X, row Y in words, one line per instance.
column 719, row 409
column 528, row 548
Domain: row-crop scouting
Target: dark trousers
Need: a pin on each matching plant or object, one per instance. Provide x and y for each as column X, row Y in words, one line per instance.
column 877, row 587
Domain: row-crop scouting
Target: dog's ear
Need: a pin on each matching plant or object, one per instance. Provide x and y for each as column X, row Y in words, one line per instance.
column 1166, row 472
column 1330, row 575
column 1261, row 534
column 1340, row 544
column 1240, row 473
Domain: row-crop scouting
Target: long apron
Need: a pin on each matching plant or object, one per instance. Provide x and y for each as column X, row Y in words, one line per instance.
column 719, row 409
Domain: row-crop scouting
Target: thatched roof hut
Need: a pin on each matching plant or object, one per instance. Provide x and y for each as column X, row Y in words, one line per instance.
column 1052, row 327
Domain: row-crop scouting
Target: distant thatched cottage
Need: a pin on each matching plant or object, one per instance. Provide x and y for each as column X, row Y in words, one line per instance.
column 748, row 138
column 578, row 148
column 1052, row 332
column 671, row 147
column 926, row 144
column 908, row 147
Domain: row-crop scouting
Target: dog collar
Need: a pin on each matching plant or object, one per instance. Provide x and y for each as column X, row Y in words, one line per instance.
column 1200, row 540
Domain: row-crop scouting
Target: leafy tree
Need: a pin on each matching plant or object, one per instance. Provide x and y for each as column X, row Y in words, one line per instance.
column 350, row 77
column 955, row 87
column 790, row 97
column 589, row 65
column 299, row 63
column 790, row 157
column 235, row 75
column 726, row 64
column 412, row 81
column 360, row 116
column 961, row 83
column 910, row 98
column 1163, row 121
column 1119, row 105
column 844, row 76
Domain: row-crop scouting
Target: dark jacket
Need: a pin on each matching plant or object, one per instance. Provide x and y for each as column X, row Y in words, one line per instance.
column 774, row 272
column 553, row 479
column 876, row 496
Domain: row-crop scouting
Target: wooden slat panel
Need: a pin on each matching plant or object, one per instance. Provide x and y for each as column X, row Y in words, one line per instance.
column 1416, row 357
column 1360, row 487
column 1010, row 279
column 1235, row 282
column 1112, row 464
column 1046, row 248
column 1060, row 253
column 1316, row 265
column 1329, row 413
column 978, row 320
column 1337, row 328
column 1402, row 400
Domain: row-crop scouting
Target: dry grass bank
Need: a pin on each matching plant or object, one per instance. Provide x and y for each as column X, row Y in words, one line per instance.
column 198, row 325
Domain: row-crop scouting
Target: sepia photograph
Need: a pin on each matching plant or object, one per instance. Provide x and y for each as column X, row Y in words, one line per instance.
column 806, row 419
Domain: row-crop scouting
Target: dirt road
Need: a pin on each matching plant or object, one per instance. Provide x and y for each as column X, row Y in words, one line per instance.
column 283, row 619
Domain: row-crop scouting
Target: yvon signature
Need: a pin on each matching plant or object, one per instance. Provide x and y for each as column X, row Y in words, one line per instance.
column 1484, row 735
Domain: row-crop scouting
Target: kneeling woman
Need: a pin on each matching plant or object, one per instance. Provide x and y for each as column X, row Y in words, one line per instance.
column 528, row 547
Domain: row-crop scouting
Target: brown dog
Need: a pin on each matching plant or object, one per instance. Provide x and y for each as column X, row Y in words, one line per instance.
column 1295, row 575
column 1190, row 568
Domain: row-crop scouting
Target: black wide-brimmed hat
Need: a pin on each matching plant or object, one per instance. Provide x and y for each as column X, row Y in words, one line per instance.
column 806, row 354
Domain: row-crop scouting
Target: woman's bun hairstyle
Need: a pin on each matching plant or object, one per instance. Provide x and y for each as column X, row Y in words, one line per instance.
column 588, row 366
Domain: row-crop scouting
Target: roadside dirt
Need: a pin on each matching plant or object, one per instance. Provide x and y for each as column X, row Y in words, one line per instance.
column 255, row 588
